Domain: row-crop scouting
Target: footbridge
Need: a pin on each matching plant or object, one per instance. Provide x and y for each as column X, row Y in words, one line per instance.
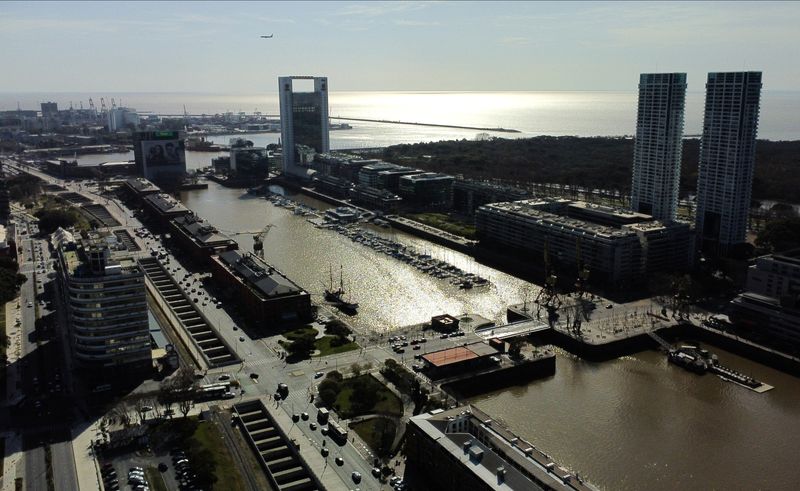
column 513, row 330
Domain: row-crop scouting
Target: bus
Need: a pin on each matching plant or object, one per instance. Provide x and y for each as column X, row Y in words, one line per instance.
column 337, row 433
column 213, row 391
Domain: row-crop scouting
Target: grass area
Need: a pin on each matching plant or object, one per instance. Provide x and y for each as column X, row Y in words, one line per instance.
column 203, row 442
column 154, row 478
column 325, row 348
column 3, row 453
column 377, row 433
column 48, row 462
column 299, row 333
column 226, row 471
column 366, row 395
column 327, row 345
column 447, row 223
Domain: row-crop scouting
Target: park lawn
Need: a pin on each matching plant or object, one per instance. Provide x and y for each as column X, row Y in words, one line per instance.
column 155, row 480
column 227, row 472
column 387, row 402
column 377, row 433
column 324, row 346
column 3, row 347
column 300, row 332
column 444, row 222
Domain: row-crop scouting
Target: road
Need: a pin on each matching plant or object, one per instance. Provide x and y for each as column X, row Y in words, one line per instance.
column 261, row 358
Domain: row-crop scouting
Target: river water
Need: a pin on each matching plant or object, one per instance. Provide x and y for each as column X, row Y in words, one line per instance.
column 632, row 423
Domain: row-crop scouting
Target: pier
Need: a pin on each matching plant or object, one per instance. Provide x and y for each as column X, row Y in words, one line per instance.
column 496, row 130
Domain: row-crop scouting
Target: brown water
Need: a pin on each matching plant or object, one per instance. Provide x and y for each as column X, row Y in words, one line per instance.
column 633, row 423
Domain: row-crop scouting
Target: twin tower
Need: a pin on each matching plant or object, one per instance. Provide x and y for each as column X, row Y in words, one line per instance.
column 727, row 153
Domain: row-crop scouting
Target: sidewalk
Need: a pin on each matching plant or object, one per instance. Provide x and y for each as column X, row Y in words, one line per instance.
column 86, row 466
column 13, row 463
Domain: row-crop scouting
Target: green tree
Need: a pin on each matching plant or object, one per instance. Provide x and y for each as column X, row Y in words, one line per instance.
column 780, row 235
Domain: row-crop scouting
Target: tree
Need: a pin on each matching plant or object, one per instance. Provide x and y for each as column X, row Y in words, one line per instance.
column 356, row 369
column 328, row 391
column 301, row 347
column 780, row 235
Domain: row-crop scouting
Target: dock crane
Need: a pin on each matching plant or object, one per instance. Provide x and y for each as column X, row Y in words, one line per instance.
column 548, row 296
column 258, row 238
column 91, row 106
column 102, row 105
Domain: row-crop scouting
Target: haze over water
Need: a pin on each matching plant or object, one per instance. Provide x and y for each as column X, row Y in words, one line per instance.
column 532, row 113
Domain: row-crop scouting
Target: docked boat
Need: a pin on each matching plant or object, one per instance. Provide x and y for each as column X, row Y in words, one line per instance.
column 337, row 296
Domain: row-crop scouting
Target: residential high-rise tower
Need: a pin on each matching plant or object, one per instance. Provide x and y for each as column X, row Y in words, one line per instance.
column 657, row 150
column 727, row 159
column 304, row 123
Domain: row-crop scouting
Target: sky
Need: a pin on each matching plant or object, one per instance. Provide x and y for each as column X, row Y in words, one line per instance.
column 214, row 47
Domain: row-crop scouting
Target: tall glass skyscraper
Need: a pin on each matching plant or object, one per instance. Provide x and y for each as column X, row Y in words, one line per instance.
column 727, row 159
column 657, row 150
column 304, row 123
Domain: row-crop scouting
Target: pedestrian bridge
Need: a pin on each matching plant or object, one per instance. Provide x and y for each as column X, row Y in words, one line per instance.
column 513, row 330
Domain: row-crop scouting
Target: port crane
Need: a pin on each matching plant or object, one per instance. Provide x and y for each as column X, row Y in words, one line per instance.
column 258, row 238
column 548, row 295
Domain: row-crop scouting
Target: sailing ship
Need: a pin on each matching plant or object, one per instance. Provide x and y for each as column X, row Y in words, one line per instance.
column 337, row 296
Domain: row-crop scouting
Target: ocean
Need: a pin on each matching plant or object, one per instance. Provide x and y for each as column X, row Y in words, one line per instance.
column 532, row 113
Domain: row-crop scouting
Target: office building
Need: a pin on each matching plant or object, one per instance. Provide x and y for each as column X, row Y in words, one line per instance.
column 469, row 194
column 770, row 306
column 248, row 160
column 619, row 247
column 727, row 159
column 49, row 109
column 658, row 144
column 104, row 291
column 121, row 118
column 160, row 156
column 427, row 189
column 304, row 122
column 464, row 449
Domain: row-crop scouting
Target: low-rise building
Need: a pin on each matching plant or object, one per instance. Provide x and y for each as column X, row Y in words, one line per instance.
column 266, row 296
column 464, row 449
column 163, row 208
column 769, row 310
column 381, row 199
column 469, row 194
column 104, row 292
column 199, row 239
column 139, row 187
column 427, row 190
column 617, row 246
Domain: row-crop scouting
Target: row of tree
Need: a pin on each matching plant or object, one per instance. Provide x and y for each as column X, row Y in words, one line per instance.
column 596, row 163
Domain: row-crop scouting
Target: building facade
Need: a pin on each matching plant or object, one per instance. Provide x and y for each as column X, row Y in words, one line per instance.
column 658, row 144
column 727, row 159
column 770, row 307
column 464, row 449
column 104, row 291
column 617, row 246
column 266, row 296
column 427, row 190
column 304, row 121
column 160, row 156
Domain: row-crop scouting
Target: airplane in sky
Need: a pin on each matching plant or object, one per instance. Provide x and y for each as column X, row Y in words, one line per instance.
column 267, row 37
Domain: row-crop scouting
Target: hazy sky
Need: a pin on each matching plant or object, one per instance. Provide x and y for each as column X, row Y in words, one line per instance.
column 215, row 47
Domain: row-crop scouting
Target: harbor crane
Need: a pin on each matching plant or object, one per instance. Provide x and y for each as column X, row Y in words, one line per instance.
column 548, row 296
column 258, row 238
column 91, row 106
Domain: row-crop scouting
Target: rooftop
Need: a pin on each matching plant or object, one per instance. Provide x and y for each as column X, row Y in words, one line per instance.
column 142, row 185
column 459, row 354
column 504, row 452
column 258, row 275
column 200, row 230
column 165, row 203
column 428, row 176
